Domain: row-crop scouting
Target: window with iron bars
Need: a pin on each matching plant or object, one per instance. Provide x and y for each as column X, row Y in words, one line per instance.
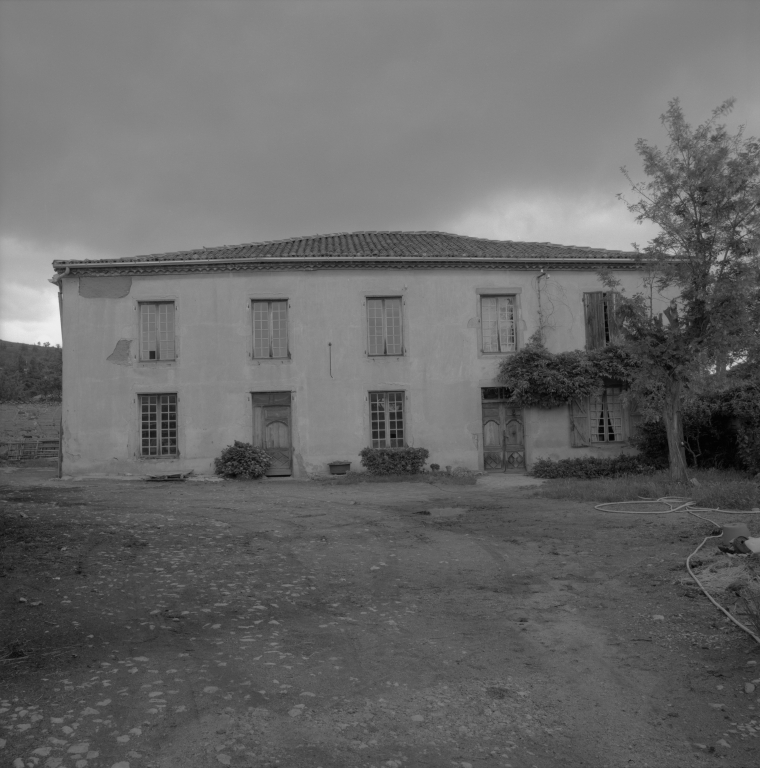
column 157, row 330
column 158, row 425
column 497, row 323
column 270, row 329
column 384, row 327
column 386, row 411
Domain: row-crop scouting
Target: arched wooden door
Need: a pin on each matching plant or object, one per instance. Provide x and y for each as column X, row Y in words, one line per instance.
column 272, row 430
column 503, row 432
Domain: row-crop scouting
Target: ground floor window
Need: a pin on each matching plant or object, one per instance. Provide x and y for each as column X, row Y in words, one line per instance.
column 386, row 411
column 158, row 425
column 608, row 416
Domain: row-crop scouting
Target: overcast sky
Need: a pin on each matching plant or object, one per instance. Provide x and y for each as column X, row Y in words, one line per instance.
column 130, row 127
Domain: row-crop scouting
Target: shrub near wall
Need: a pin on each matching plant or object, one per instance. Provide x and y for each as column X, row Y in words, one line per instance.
column 242, row 460
column 394, row 461
column 588, row 467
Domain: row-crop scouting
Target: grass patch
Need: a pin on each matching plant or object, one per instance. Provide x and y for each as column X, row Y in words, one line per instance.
column 718, row 489
column 460, row 477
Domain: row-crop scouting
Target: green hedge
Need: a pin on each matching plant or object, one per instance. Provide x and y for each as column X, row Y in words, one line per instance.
column 242, row 460
column 588, row 467
column 394, row 461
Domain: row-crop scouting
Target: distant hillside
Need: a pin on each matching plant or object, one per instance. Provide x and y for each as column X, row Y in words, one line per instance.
column 29, row 372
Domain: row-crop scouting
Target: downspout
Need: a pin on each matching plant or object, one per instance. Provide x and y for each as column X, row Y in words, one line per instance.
column 57, row 279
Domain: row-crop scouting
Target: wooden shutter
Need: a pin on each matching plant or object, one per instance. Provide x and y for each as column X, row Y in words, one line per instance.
column 594, row 304
column 611, row 299
column 635, row 419
column 579, row 422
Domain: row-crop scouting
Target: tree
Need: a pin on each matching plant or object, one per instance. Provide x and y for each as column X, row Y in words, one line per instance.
column 703, row 192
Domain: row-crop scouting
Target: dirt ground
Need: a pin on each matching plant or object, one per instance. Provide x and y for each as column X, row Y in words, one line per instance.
column 305, row 625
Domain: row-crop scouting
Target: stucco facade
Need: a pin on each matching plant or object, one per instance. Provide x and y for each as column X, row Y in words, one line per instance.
column 329, row 372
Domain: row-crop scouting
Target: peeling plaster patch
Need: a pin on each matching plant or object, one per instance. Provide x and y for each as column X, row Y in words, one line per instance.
column 112, row 287
column 120, row 354
column 472, row 322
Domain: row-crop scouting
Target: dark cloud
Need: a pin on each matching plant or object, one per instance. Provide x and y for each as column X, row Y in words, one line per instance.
column 135, row 127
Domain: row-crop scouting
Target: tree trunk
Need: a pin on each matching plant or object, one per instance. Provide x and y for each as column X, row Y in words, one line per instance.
column 674, row 429
column 721, row 365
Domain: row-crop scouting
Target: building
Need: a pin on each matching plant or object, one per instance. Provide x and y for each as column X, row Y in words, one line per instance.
column 317, row 347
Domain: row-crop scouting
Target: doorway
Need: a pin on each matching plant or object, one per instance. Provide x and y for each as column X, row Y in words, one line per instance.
column 272, row 430
column 503, row 432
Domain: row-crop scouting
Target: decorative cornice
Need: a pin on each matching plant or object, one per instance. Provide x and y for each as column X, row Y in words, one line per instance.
column 310, row 264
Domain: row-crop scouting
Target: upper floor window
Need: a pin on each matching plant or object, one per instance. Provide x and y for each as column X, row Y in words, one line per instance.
column 157, row 330
column 270, row 329
column 384, row 326
column 497, row 321
column 599, row 307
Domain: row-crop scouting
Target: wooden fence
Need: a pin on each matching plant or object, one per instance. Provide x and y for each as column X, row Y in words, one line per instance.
column 46, row 448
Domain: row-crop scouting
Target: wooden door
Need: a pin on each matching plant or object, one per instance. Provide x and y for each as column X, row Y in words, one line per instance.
column 272, row 430
column 514, row 437
column 503, row 434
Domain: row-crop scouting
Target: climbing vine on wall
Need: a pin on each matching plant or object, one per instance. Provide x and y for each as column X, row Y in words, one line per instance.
column 539, row 378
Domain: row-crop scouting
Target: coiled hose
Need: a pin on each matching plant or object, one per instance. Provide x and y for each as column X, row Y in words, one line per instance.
column 679, row 504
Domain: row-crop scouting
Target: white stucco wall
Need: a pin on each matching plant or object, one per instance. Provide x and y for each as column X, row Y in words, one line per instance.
column 214, row 374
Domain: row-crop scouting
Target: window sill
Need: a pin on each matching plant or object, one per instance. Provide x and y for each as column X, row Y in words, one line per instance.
column 174, row 457
column 498, row 354
column 386, row 357
column 156, row 363
column 607, row 446
column 270, row 361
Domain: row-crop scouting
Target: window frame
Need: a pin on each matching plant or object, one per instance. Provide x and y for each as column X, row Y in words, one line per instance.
column 626, row 412
column 496, row 292
column 157, row 302
column 271, row 322
column 399, row 398
column 602, row 335
column 368, row 321
column 160, row 425
column 606, row 406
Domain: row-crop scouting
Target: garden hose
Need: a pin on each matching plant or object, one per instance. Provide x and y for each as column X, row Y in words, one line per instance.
column 679, row 504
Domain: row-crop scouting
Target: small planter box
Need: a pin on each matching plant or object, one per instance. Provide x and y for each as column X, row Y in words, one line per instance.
column 339, row 467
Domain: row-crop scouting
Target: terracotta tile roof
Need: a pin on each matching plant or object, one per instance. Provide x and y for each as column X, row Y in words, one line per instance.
column 432, row 245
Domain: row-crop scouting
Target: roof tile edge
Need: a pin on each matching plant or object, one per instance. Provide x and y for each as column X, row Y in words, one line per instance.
column 226, row 252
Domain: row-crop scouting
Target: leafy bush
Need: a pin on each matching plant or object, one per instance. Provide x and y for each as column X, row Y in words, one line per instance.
column 242, row 460
column 718, row 488
column 364, row 478
column 721, row 429
column 588, row 467
column 435, row 467
column 652, row 442
column 541, row 379
column 394, row 461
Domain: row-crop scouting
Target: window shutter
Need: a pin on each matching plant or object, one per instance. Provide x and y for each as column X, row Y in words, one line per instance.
column 579, row 423
column 635, row 419
column 594, row 303
column 611, row 300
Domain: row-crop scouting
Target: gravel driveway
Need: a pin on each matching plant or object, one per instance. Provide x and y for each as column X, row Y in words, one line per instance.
column 300, row 624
